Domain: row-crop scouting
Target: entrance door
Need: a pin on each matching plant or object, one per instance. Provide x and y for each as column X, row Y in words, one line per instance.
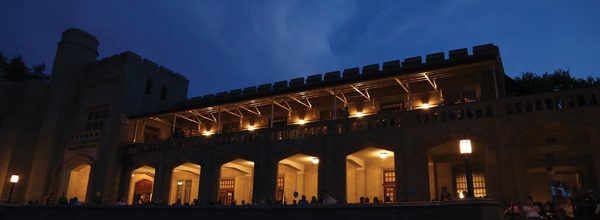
column 226, row 191
column 279, row 192
column 389, row 185
column 143, row 187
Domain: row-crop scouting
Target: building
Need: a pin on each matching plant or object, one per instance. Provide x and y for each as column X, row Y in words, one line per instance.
column 123, row 126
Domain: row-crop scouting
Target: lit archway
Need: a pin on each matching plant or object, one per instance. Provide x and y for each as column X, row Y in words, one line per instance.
column 370, row 174
column 141, row 184
column 236, row 182
column 184, row 184
column 298, row 173
column 447, row 170
column 78, row 182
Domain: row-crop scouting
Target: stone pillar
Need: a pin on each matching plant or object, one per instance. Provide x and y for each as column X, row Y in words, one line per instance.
column 417, row 172
column 267, row 181
column 332, row 173
column 492, row 173
column 399, row 170
column 157, row 189
column 595, row 148
column 212, row 184
column 165, row 184
column 204, row 183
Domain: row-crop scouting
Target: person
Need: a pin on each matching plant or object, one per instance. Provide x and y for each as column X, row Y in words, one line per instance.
column 48, row 199
column 361, row 200
column 63, row 200
column 531, row 210
column 243, row 202
column 137, row 199
column 329, row 200
column 375, row 199
column 445, row 195
column 314, row 200
column 75, row 201
column 177, row 202
column 367, row 200
column 567, row 209
column 513, row 211
column 196, row 203
column 303, row 200
column 548, row 211
column 120, row 202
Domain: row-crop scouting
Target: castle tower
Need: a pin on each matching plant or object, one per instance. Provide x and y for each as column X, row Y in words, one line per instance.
column 76, row 51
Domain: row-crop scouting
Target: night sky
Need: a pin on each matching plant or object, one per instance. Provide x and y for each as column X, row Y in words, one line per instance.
column 223, row 45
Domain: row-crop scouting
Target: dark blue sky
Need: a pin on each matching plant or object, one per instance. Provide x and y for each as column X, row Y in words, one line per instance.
column 223, row 45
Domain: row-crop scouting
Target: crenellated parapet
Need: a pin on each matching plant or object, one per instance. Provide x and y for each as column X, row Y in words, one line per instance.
column 390, row 68
column 146, row 63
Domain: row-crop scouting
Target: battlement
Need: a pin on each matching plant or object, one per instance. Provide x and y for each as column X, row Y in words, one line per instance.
column 133, row 57
column 394, row 67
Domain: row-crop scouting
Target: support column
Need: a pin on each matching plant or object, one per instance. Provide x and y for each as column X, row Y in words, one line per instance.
column 157, row 189
column 417, row 171
column 596, row 162
column 332, row 173
column 165, row 184
column 399, row 172
column 212, row 186
column 204, row 184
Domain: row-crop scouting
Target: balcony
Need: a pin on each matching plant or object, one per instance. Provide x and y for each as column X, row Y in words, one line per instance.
column 546, row 102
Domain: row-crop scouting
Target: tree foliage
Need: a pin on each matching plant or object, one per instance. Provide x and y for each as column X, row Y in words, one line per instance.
column 558, row 80
column 15, row 69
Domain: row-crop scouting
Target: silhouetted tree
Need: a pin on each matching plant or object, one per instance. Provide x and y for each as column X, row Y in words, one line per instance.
column 17, row 70
column 558, row 80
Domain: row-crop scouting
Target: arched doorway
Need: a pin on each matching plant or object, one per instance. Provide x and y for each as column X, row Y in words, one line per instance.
column 297, row 173
column 78, row 182
column 142, row 183
column 184, row 184
column 370, row 173
column 236, row 182
column 447, row 170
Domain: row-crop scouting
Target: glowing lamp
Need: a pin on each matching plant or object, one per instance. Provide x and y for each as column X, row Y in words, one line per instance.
column 465, row 146
column 14, row 178
column 461, row 195
column 425, row 106
column 383, row 154
column 359, row 114
column 179, row 183
column 315, row 160
column 251, row 128
column 301, row 122
column 207, row 133
column 132, row 175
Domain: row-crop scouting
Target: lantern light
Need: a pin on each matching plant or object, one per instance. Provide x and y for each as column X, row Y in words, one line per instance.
column 383, row 154
column 465, row 146
column 315, row 160
column 14, row 178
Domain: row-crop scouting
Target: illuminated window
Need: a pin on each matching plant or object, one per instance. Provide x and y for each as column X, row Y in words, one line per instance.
column 280, row 187
column 389, row 185
column 478, row 183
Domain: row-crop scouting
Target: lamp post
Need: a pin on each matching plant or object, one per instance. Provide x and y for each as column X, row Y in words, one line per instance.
column 14, row 179
column 466, row 149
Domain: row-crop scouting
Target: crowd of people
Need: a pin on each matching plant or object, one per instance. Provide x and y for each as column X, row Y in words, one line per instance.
column 580, row 206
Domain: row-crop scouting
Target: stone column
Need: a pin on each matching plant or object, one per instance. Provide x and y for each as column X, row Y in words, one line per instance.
column 332, row 172
column 165, row 183
column 157, row 188
column 204, row 184
column 399, row 170
column 417, row 172
column 212, row 184
column 595, row 148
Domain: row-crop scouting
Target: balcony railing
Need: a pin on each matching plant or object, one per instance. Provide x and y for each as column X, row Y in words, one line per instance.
column 555, row 101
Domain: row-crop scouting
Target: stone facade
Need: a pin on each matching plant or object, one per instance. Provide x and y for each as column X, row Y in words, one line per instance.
column 388, row 131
